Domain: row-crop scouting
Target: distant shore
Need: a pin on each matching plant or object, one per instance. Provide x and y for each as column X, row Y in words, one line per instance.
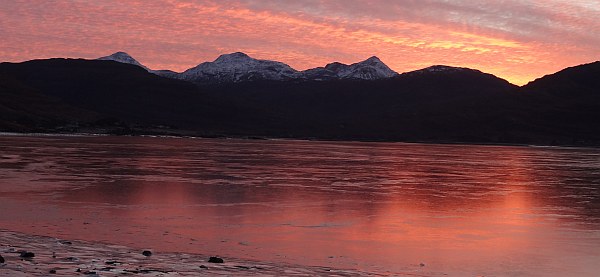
column 53, row 256
column 193, row 136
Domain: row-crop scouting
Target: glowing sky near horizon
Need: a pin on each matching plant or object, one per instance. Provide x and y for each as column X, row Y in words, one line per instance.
column 518, row 40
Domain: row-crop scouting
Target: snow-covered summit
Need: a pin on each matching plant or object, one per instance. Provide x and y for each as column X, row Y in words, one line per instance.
column 233, row 58
column 370, row 69
column 123, row 57
column 441, row 69
column 238, row 67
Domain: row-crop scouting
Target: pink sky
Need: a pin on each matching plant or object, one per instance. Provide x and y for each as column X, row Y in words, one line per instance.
column 516, row 40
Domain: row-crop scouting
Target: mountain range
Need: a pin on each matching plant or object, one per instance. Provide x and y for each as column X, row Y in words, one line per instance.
column 239, row 67
column 238, row 96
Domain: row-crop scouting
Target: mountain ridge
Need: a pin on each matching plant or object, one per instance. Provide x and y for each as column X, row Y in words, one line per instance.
column 331, row 71
column 440, row 104
column 239, row 67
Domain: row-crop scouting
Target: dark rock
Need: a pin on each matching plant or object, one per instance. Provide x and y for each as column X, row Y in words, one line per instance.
column 52, row 271
column 146, row 271
column 204, row 267
column 65, row 242
column 215, row 260
column 422, row 264
column 78, row 270
column 26, row 254
column 1, row 259
column 111, row 262
column 147, row 253
column 90, row 272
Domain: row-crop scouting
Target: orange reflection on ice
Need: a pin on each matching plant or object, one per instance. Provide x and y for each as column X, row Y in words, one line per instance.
column 372, row 206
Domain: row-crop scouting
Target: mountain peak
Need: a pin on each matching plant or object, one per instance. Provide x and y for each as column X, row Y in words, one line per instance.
column 238, row 67
column 117, row 56
column 369, row 69
column 123, row 57
column 236, row 56
column 335, row 66
column 121, row 54
column 442, row 69
column 439, row 67
column 373, row 59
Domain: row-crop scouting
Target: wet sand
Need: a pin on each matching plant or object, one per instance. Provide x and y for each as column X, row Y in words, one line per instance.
column 77, row 258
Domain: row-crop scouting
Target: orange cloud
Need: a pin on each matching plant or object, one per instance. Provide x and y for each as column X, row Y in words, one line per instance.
column 516, row 40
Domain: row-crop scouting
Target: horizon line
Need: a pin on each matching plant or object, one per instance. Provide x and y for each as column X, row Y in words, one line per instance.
column 397, row 72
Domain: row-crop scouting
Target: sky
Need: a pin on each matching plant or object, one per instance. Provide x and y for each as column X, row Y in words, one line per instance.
column 517, row 40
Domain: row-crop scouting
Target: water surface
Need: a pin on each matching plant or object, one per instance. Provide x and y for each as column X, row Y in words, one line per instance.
column 392, row 208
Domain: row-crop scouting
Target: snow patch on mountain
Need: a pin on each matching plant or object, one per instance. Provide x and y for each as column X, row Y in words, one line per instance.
column 441, row 69
column 238, row 67
column 123, row 57
column 370, row 69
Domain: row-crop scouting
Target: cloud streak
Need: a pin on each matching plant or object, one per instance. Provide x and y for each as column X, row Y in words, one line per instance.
column 516, row 40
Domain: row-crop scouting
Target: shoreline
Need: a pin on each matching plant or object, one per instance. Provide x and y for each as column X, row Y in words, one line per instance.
column 181, row 136
column 58, row 257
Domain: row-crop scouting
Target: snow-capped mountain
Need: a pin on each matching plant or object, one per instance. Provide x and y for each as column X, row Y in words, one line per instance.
column 441, row 69
column 329, row 72
column 238, row 67
column 123, row 57
column 370, row 69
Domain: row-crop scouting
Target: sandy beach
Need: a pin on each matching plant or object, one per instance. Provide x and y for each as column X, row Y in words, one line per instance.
column 57, row 257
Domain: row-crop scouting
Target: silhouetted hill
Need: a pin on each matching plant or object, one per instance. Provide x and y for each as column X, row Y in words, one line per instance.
column 438, row 104
column 423, row 107
column 105, row 87
column 24, row 109
column 581, row 80
column 566, row 104
column 116, row 91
